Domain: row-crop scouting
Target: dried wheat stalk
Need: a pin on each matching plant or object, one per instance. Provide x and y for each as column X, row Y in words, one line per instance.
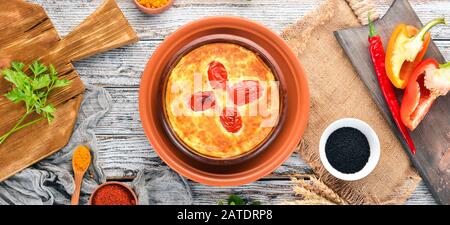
column 315, row 189
column 307, row 202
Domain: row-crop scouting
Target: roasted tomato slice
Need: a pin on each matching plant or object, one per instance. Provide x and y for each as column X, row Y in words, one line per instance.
column 231, row 120
column 245, row 92
column 201, row 101
column 217, row 75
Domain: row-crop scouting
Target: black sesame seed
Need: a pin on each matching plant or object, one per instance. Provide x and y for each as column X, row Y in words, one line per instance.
column 347, row 150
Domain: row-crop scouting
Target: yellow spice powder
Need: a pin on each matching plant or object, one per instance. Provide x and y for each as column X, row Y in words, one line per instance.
column 153, row 3
column 81, row 158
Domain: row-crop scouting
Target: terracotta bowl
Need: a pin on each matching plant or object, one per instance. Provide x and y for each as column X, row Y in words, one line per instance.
column 265, row 56
column 113, row 183
column 295, row 115
column 156, row 10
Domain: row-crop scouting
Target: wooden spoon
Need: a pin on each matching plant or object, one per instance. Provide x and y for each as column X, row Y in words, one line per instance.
column 80, row 162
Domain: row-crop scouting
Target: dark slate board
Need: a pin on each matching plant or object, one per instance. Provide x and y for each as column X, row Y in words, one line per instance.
column 432, row 137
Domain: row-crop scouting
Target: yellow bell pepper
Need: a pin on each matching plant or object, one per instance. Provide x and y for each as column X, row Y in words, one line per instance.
column 406, row 49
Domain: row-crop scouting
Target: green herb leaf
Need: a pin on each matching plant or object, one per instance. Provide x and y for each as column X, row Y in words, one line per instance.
column 15, row 95
column 33, row 91
column 37, row 68
column 50, row 117
column 41, row 82
column 49, row 108
column 9, row 75
column 17, row 66
column 236, row 200
column 18, row 78
column 255, row 203
column 53, row 72
column 61, row 83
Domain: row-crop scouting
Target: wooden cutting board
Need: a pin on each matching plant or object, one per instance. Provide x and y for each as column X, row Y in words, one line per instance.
column 28, row 34
column 432, row 137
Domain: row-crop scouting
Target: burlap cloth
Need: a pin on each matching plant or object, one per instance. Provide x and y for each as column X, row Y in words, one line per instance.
column 337, row 92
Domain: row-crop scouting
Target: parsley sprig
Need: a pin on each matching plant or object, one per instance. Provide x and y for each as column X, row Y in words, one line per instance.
column 237, row 200
column 33, row 91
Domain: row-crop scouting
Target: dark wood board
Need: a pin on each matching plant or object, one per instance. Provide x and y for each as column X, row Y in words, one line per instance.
column 432, row 136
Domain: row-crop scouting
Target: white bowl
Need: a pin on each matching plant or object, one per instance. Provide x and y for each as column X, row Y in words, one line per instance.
column 372, row 138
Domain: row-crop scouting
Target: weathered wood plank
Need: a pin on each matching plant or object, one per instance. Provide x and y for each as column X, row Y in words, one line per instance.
column 67, row 13
column 421, row 196
column 124, row 66
column 277, row 192
column 267, row 192
column 123, row 156
column 123, row 118
column 119, row 67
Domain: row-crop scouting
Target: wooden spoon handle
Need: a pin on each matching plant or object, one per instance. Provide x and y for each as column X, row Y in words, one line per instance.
column 76, row 193
column 105, row 29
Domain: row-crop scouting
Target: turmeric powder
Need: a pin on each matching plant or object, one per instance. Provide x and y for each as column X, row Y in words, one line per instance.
column 81, row 158
column 153, row 4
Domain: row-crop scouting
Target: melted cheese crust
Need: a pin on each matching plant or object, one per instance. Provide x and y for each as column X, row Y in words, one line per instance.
column 203, row 131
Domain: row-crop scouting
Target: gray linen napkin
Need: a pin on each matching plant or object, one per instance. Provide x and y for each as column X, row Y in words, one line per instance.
column 51, row 180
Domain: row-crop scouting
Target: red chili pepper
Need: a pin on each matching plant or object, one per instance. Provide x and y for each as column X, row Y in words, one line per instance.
column 378, row 58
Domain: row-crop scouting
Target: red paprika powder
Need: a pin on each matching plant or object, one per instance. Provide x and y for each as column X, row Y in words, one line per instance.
column 113, row 194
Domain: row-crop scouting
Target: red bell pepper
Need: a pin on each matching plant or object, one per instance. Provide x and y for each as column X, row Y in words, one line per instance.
column 428, row 81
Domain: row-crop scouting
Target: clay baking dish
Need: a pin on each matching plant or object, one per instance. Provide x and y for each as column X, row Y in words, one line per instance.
column 269, row 61
column 295, row 116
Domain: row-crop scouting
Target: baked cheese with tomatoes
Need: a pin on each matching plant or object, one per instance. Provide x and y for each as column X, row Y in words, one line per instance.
column 222, row 100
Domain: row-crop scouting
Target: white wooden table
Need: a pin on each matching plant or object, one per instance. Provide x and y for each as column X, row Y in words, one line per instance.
column 124, row 148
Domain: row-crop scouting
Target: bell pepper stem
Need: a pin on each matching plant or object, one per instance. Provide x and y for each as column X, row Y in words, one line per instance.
column 445, row 66
column 372, row 30
column 428, row 26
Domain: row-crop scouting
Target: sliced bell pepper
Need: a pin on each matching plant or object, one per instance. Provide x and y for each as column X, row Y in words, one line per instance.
column 428, row 81
column 406, row 49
